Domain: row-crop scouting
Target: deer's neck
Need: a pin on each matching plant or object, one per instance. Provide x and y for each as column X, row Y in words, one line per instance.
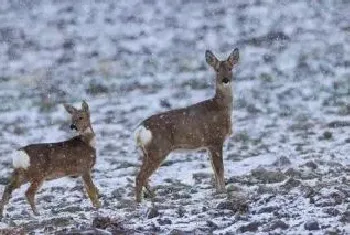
column 88, row 136
column 224, row 98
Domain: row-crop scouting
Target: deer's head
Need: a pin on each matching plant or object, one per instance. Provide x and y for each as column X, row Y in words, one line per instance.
column 223, row 69
column 80, row 118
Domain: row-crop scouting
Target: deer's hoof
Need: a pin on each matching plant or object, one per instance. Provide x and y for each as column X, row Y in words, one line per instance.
column 148, row 194
column 97, row 204
column 221, row 190
column 138, row 199
column 35, row 213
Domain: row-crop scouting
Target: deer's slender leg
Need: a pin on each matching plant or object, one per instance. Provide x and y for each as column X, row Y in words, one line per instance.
column 31, row 191
column 15, row 182
column 91, row 189
column 218, row 167
column 149, row 189
column 150, row 163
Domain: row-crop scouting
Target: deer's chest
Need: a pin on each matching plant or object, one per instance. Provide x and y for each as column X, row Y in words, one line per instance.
column 221, row 122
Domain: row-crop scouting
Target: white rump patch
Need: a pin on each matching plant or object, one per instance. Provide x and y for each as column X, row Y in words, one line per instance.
column 20, row 160
column 92, row 142
column 143, row 135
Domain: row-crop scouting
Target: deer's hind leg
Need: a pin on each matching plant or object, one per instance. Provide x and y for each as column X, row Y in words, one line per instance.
column 35, row 184
column 150, row 162
column 218, row 167
column 16, row 181
column 91, row 189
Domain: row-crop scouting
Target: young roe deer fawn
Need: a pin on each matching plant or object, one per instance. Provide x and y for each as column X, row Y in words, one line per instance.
column 204, row 125
column 38, row 162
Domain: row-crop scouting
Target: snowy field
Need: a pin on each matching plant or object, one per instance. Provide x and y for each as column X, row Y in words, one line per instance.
column 287, row 166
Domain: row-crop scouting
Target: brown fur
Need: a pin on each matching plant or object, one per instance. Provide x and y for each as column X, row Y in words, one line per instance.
column 202, row 125
column 74, row 157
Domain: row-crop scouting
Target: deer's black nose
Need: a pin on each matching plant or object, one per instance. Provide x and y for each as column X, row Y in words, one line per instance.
column 73, row 127
column 225, row 80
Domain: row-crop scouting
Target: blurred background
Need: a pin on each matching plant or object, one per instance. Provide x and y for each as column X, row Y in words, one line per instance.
column 133, row 58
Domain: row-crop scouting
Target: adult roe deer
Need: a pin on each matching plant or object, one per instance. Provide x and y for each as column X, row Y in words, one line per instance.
column 38, row 162
column 204, row 125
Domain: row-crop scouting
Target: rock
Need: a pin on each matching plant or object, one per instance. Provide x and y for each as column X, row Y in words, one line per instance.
column 282, row 161
column 268, row 209
column 165, row 104
column 199, row 177
column 212, row 224
column 234, row 204
column 118, row 193
column 278, row 224
column 334, row 231
column 153, row 212
column 325, row 203
column 268, row 177
column 336, row 124
column 12, row 231
column 266, row 39
column 327, row 135
column 292, row 172
column 180, row 195
column 88, row 231
column 311, row 165
column 180, row 212
column 263, row 189
column 47, row 198
column 105, row 222
column 308, row 191
column 71, row 209
column 57, row 222
column 164, row 221
column 125, row 203
column 251, row 108
column 250, row 227
column 338, row 197
column 179, row 232
column 331, row 211
column 345, row 218
column 291, row 183
column 96, row 88
column 312, row 225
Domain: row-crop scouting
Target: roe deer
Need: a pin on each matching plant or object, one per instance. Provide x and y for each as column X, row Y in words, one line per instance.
column 204, row 125
column 38, row 162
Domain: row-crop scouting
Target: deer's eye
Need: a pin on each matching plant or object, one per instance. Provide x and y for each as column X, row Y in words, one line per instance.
column 225, row 80
column 81, row 118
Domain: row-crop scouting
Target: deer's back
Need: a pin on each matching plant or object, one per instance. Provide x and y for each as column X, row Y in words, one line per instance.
column 195, row 126
column 61, row 158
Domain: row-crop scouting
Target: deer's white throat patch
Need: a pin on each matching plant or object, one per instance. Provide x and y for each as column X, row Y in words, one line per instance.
column 92, row 142
column 143, row 135
column 20, row 160
column 88, row 130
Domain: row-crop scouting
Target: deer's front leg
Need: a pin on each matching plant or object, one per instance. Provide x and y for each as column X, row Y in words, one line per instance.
column 91, row 189
column 30, row 194
column 218, row 167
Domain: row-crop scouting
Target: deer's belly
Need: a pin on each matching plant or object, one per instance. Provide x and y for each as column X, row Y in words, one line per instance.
column 71, row 167
column 189, row 149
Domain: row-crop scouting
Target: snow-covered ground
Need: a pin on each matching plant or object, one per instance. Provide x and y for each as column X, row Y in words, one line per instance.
column 286, row 166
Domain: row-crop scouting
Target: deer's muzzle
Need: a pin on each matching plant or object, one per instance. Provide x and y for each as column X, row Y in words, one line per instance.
column 73, row 127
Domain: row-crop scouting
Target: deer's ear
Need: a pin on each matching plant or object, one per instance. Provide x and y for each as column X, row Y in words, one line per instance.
column 85, row 106
column 211, row 59
column 69, row 108
column 233, row 58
